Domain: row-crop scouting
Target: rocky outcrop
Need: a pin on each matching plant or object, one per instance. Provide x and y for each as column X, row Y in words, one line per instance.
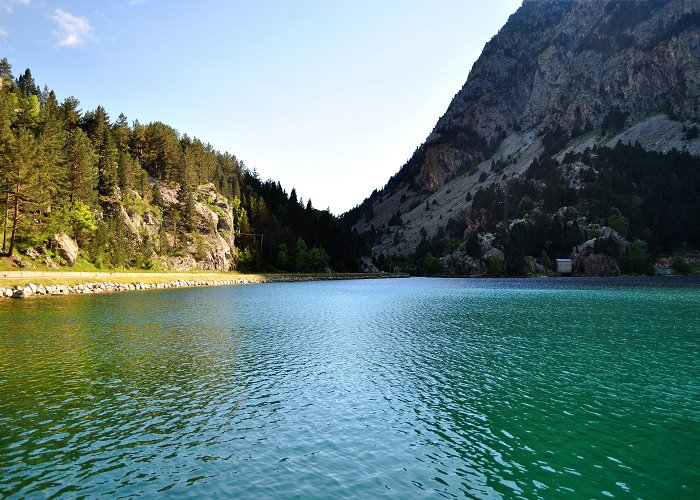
column 595, row 265
column 630, row 70
column 368, row 266
column 460, row 263
column 66, row 247
column 209, row 246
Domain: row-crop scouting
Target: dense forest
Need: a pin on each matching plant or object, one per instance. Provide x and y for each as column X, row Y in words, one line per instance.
column 632, row 205
column 68, row 171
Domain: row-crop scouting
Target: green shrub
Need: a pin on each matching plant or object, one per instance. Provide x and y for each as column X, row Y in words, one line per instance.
column 680, row 266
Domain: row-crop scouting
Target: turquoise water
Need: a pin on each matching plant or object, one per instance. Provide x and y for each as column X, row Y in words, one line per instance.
column 403, row 388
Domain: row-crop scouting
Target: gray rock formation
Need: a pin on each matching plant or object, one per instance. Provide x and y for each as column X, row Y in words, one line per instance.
column 595, row 265
column 631, row 68
column 66, row 247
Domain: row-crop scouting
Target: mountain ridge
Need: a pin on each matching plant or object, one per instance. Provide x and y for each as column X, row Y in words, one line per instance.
column 557, row 75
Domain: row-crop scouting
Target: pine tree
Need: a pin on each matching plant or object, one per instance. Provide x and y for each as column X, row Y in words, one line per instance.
column 6, row 77
column 124, row 171
column 80, row 179
column 26, row 84
column 186, row 205
column 156, row 195
column 71, row 112
column 107, row 166
column 121, row 133
column 51, row 159
column 22, row 181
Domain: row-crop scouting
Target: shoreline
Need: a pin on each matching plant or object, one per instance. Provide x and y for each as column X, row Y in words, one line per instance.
column 124, row 281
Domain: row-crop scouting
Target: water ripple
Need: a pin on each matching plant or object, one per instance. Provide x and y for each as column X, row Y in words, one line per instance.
column 420, row 388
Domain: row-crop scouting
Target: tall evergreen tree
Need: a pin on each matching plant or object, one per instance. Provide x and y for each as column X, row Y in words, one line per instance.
column 26, row 84
column 22, row 181
column 107, row 165
column 51, row 142
column 80, row 179
column 70, row 108
column 6, row 73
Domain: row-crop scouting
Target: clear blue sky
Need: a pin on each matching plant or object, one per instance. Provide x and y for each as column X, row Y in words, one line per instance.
column 327, row 96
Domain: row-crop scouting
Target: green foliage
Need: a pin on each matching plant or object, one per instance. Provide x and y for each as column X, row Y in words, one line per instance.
column 156, row 196
column 619, row 223
column 64, row 170
column 615, row 120
column 496, row 263
column 680, row 266
column 82, row 221
column 525, row 206
column 283, row 260
column 430, row 265
column 637, row 260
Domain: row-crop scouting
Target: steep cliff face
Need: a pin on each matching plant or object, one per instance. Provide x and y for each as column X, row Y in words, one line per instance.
column 558, row 74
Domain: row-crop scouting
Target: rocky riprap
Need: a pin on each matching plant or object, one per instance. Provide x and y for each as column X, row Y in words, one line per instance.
column 31, row 289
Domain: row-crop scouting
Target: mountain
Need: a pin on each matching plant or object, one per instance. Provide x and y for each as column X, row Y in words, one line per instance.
column 80, row 189
column 520, row 147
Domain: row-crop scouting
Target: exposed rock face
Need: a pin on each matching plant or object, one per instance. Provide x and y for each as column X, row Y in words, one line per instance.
column 569, row 63
column 66, row 248
column 209, row 247
column 571, row 66
column 595, row 265
column 460, row 263
column 215, row 211
column 368, row 266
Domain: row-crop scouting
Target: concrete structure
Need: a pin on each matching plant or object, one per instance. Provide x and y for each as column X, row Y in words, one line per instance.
column 564, row 266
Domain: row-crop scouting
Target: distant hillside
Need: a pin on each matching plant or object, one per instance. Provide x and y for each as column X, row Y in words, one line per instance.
column 78, row 189
column 559, row 83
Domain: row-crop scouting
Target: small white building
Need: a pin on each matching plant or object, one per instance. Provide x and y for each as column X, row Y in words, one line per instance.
column 564, row 266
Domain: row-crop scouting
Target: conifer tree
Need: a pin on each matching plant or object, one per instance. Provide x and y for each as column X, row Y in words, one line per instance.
column 107, row 166
column 70, row 108
column 6, row 73
column 51, row 160
column 22, row 181
column 156, row 195
column 80, row 180
column 26, row 84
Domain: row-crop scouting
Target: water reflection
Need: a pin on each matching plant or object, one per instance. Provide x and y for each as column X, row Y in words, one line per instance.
column 413, row 387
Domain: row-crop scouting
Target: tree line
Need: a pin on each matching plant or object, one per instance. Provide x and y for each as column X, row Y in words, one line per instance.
column 65, row 170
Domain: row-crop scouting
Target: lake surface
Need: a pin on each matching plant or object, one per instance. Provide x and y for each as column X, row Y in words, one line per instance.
column 370, row 388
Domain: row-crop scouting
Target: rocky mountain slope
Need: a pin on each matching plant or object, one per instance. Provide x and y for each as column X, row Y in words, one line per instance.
column 149, row 231
column 559, row 77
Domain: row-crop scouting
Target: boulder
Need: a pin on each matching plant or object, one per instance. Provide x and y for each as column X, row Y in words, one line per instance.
column 32, row 253
column 19, row 262
column 368, row 266
column 595, row 264
column 66, row 247
column 460, row 263
column 222, row 225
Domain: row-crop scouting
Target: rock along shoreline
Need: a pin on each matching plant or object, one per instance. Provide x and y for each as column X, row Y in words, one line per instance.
column 32, row 289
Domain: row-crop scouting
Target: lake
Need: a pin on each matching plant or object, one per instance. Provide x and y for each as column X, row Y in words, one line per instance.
column 398, row 387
